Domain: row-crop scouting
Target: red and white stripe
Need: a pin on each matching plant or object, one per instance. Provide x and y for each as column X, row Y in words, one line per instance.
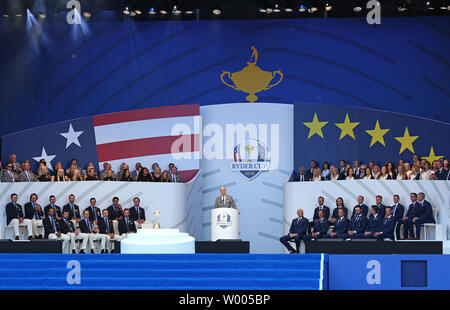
column 145, row 136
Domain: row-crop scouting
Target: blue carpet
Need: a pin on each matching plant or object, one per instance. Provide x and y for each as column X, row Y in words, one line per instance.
column 164, row 271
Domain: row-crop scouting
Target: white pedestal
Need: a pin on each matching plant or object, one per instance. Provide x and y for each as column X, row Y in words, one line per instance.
column 224, row 224
column 158, row 241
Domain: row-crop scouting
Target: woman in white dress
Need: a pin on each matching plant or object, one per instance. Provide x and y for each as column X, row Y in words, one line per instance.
column 317, row 175
column 368, row 174
column 401, row 173
column 384, row 174
column 415, row 175
column 350, row 174
column 334, row 174
column 407, row 169
column 426, row 173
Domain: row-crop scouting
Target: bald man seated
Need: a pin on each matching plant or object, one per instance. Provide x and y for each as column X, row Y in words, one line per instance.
column 225, row 201
column 296, row 233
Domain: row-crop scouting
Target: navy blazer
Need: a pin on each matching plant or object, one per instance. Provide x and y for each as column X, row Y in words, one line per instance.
column 375, row 225
column 102, row 226
column 321, row 226
column 382, row 210
column 364, row 210
column 388, row 226
column 442, row 174
column 342, row 226
column 359, row 225
column 316, row 212
column 426, row 212
column 399, row 211
column 92, row 215
column 13, row 212
column 72, row 215
column 298, row 226
column 29, row 211
column 66, row 227
column 84, row 227
column 48, row 227
column 413, row 210
column 335, row 212
column 56, row 214
column 134, row 214
column 113, row 214
column 123, row 229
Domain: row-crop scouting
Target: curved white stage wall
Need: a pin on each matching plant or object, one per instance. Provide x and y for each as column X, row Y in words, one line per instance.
column 304, row 195
column 179, row 203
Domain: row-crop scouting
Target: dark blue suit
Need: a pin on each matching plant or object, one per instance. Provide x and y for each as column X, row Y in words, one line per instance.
column 387, row 230
column 358, row 225
column 381, row 210
column 374, row 225
column 321, row 227
column 325, row 209
column 299, row 227
column 425, row 215
column 335, row 212
column 442, row 174
column 364, row 210
column 413, row 211
column 397, row 213
column 340, row 228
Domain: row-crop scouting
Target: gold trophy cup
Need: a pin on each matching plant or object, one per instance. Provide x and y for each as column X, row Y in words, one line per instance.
column 156, row 224
column 252, row 79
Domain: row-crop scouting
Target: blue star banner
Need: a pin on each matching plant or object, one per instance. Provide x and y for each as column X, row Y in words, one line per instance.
column 331, row 133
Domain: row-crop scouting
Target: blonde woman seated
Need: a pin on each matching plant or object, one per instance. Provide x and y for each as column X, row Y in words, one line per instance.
column 334, row 174
column 415, row 173
column 350, row 174
column 317, row 175
column 401, row 173
column 109, row 176
column 91, row 175
column 43, row 175
column 76, row 175
column 407, row 169
column 59, row 176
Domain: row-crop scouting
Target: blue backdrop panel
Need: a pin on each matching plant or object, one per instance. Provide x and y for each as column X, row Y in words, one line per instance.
column 389, row 272
column 398, row 66
column 330, row 148
column 30, row 144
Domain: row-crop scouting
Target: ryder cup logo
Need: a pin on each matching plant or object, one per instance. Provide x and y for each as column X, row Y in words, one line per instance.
column 250, row 158
column 223, row 220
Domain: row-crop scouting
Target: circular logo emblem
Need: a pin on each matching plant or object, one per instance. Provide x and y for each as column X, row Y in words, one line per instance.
column 250, row 158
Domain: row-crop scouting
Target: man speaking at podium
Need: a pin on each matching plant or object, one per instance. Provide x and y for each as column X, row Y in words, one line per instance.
column 225, row 201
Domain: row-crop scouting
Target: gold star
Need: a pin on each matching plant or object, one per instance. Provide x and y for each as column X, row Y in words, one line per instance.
column 347, row 127
column 377, row 134
column 315, row 127
column 432, row 157
column 406, row 141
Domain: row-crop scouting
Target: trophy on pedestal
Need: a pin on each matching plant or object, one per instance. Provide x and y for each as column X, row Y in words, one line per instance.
column 156, row 224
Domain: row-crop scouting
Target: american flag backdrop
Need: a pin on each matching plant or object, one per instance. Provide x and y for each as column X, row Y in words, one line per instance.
column 143, row 136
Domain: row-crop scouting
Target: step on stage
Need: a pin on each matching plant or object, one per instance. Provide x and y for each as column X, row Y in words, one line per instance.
column 339, row 246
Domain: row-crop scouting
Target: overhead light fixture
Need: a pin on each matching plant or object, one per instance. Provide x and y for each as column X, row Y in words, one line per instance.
column 176, row 10
column 276, row 8
column 302, row 8
column 138, row 12
column 152, row 11
column 328, row 6
column 163, row 12
column 217, row 11
column 428, row 5
column 126, row 11
column 87, row 14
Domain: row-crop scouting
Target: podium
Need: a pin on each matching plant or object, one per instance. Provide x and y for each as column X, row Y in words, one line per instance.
column 224, row 224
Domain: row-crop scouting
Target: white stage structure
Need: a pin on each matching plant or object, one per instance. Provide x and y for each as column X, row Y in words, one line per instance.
column 224, row 224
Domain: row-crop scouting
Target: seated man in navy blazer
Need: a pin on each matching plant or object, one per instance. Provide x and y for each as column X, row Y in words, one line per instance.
column 397, row 212
column 296, row 232
column 94, row 211
column 425, row 216
column 413, row 211
column 364, row 208
column 388, row 226
column 358, row 223
column 323, row 207
column 137, row 213
column 373, row 226
column 320, row 227
column 126, row 224
column 340, row 226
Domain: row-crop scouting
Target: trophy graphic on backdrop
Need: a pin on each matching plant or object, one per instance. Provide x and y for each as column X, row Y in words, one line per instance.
column 156, row 224
column 252, row 79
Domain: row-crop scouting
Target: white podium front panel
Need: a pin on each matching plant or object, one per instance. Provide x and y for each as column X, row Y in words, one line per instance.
column 161, row 241
column 224, row 224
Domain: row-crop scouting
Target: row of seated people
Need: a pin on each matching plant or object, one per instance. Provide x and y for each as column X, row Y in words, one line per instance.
column 380, row 224
column 15, row 172
column 69, row 224
column 420, row 170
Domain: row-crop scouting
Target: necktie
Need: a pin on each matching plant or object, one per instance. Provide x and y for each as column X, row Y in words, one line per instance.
column 107, row 225
column 28, row 177
column 54, row 224
column 126, row 220
column 11, row 175
column 68, row 225
column 138, row 213
column 95, row 213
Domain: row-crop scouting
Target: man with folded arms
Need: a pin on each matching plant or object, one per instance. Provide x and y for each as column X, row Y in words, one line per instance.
column 34, row 213
column 320, row 227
